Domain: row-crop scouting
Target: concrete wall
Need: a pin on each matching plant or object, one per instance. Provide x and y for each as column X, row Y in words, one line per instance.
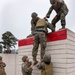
column 11, row 61
column 62, row 53
column 61, row 46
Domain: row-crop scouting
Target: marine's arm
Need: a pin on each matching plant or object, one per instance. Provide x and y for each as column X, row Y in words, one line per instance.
column 32, row 28
column 26, row 69
column 49, row 12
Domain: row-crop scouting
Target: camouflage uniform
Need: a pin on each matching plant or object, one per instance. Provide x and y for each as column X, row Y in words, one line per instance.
column 26, row 69
column 34, row 21
column 39, row 33
column 61, row 9
column 45, row 66
column 40, row 38
column 33, row 25
column 2, row 65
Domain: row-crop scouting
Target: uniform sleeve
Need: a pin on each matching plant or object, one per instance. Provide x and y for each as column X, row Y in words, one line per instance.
column 32, row 28
column 49, row 11
column 4, row 65
column 26, row 69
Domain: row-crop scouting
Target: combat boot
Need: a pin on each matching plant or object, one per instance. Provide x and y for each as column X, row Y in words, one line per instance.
column 63, row 27
column 35, row 62
column 53, row 28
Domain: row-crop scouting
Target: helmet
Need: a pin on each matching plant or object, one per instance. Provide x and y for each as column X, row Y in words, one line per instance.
column 52, row 1
column 24, row 58
column 34, row 14
column 0, row 58
column 47, row 58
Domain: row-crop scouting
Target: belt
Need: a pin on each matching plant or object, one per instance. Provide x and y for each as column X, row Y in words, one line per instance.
column 40, row 31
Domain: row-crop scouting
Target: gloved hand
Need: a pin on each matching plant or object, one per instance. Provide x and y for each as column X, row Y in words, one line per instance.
column 47, row 16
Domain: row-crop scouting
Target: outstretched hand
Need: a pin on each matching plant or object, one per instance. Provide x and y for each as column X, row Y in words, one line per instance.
column 33, row 63
column 47, row 16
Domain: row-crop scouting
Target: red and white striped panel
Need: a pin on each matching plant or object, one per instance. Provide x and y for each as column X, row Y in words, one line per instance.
column 61, row 46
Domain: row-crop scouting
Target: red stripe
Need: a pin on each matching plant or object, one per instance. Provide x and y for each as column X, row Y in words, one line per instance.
column 55, row 36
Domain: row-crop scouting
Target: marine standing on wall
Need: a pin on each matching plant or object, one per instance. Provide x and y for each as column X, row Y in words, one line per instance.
column 61, row 9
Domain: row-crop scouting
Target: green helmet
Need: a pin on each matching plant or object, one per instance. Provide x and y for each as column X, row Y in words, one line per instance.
column 0, row 58
column 34, row 14
column 24, row 58
column 47, row 58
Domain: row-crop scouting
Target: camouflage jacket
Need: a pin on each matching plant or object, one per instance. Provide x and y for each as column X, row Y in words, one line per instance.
column 2, row 70
column 2, row 65
column 33, row 27
column 26, row 69
column 60, row 7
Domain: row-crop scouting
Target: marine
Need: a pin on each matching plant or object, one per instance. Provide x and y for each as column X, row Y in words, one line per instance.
column 45, row 65
column 61, row 11
column 2, row 67
column 26, row 66
column 39, row 31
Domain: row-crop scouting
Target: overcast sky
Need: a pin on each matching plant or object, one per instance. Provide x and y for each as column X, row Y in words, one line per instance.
column 15, row 15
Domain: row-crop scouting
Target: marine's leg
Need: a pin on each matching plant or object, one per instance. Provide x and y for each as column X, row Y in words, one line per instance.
column 63, row 21
column 42, row 44
column 55, row 20
column 35, row 47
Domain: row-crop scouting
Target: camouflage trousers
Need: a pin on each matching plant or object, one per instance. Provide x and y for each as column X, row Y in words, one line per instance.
column 39, row 38
column 59, row 16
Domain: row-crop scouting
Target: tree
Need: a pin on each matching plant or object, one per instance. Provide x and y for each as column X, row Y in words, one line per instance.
column 9, row 40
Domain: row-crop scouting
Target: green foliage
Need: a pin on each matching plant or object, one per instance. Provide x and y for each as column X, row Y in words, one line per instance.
column 9, row 40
